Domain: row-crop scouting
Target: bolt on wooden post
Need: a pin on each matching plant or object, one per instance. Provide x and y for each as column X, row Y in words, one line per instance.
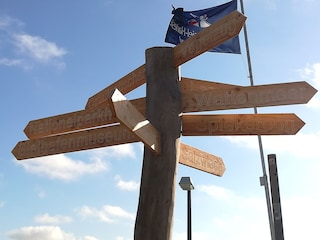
column 158, row 179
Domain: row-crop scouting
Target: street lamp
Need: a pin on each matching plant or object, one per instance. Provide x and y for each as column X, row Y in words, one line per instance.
column 186, row 184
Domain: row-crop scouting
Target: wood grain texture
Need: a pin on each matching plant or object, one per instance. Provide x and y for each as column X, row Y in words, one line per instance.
column 128, row 115
column 76, row 121
column 125, row 84
column 247, row 97
column 72, row 142
column 158, row 180
column 217, row 33
column 203, row 161
column 241, row 124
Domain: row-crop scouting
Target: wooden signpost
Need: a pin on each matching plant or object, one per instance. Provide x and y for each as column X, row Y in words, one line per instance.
column 241, row 124
column 201, row 160
column 126, row 84
column 75, row 121
column 110, row 119
column 75, row 141
column 247, row 97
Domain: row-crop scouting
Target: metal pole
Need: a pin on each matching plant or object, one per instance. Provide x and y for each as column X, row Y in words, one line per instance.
column 189, row 215
column 275, row 193
column 263, row 179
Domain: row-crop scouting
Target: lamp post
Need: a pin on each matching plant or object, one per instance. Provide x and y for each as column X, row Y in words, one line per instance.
column 186, row 184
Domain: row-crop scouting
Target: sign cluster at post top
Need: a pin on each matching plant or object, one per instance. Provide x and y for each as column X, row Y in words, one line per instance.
column 110, row 119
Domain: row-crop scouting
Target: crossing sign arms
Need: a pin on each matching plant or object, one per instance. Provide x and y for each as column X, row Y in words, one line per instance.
column 128, row 115
column 76, row 121
column 125, row 84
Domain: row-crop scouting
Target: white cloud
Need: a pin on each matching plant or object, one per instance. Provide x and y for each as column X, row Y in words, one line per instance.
column 55, row 220
column 126, row 185
column 2, row 204
column 247, row 216
column 311, row 73
column 119, row 151
column 89, row 238
column 40, row 233
column 8, row 23
column 283, row 144
column 107, row 213
column 62, row 167
column 24, row 50
column 41, row 194
column 11, row 62
column 230, row 197
column 297, row 209
column 38, row 48
column 216, row 192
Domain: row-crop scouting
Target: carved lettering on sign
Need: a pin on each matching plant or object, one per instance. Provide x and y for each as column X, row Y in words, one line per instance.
column 77, row 141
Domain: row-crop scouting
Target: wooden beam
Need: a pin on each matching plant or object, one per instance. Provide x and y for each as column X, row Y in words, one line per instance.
column 126, row 84
column 127, row 114
column 247, row 97
column 72, row 142
column 208, row 38
column 198, row 159
column 158, row 180
column 76, row 121
column 241, row 124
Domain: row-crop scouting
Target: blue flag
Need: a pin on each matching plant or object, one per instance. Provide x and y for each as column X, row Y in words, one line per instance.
column 186, row 24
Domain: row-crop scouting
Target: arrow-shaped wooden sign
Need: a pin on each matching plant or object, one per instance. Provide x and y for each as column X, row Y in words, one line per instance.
column 189, row 85
column 72, row 142
column 126, row 84
column 102, row 115
column 198, row 159
column 127, row 114
column 75, row 121
column 241, row 124
column 210, row 37
column 247, row 97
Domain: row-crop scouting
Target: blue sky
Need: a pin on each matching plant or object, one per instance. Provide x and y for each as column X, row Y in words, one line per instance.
column 55, row 55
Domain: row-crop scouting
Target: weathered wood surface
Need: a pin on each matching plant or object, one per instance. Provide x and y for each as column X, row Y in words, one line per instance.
column 248, row 97
column 103, row 115
column 241, row 124
column 72, row 142
column 128, row 115
column 158, row 180
column 75, row 121
column 126, row 84
column 217, row 33
column 198, row 159
column 190, row 85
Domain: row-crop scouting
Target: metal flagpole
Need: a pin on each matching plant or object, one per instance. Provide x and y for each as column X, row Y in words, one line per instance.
column 263, row 179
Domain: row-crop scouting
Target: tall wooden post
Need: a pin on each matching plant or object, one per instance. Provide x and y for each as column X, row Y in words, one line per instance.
column 158, row 180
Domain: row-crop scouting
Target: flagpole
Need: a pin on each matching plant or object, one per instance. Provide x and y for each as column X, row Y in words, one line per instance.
column 263, row 179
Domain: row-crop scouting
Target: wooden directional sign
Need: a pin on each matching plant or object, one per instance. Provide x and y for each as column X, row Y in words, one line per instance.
column 241, row 124
column 247, row 97
column 102, row 115
column 72, row 142
column 201, row 160
column 75, row 121
column 189, row 85
column 126, row 84
column 210, row 37
column 127, row 114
